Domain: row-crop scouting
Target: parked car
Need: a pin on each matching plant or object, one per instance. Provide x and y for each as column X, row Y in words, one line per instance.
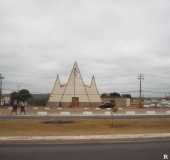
column 106, row 105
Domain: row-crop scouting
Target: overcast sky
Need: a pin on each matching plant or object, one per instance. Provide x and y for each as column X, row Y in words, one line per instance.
column 113, row 39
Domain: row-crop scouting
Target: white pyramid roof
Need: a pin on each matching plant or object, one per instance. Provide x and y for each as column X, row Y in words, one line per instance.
column 75, row 87
column 93, row 92
column 57, row 91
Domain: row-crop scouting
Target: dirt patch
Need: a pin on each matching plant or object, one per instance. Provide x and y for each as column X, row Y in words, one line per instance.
column 59, row 122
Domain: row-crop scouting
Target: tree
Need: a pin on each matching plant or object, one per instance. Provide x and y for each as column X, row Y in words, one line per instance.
column 18, row 99
column 24, row 95
column 115, row 94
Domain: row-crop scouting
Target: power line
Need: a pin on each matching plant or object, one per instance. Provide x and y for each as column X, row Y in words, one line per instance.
column 158, row 76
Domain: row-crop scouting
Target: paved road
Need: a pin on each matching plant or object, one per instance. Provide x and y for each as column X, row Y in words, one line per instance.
column 110, row 151
column 84, row 117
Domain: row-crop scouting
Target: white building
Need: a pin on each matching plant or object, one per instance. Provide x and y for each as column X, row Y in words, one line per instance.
column 75, row 92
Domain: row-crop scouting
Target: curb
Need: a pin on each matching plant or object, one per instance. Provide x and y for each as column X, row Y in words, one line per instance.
column 84, row 137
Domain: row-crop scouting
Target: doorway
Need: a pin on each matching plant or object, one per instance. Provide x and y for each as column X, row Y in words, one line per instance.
column 75, row 101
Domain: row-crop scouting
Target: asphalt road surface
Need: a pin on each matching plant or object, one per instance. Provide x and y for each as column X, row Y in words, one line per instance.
column 157, row 150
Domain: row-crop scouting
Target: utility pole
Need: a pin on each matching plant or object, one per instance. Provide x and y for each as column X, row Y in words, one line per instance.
column 1, row 78
column 140, row 78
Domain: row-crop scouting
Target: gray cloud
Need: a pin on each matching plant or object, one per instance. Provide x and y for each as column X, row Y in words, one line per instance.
column 113, row 39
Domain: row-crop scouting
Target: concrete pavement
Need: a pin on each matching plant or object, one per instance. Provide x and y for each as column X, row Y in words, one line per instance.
column 58, row 112
column 86, row 137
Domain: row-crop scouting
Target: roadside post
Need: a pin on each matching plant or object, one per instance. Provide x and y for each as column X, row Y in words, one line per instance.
column 113, row 110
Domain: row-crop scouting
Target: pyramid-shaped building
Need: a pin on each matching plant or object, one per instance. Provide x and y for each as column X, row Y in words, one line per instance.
column 75, row 93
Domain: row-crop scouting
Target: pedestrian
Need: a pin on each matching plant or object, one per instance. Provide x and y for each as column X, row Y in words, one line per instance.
column 22, row 105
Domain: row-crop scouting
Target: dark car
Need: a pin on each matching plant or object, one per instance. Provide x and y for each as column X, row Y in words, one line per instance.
column 106, row 105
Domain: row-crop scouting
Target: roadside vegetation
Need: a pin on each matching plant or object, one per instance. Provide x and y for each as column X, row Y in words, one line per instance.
column 82, row 127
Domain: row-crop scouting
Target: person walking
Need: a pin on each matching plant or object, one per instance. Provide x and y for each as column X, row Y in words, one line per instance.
column 22, row 105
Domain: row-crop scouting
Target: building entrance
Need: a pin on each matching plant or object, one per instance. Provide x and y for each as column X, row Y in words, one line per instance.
column 75, row 101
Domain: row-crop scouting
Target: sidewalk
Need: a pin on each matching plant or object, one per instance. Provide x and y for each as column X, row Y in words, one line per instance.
column 86, row 137
column 46, row 111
